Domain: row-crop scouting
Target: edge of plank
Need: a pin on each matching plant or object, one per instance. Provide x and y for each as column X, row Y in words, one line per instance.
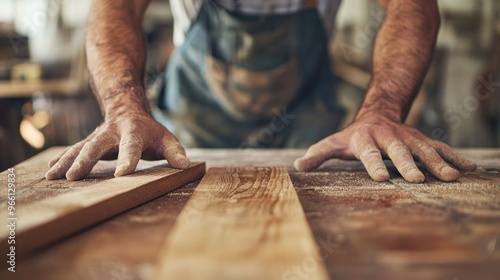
column 53, row 224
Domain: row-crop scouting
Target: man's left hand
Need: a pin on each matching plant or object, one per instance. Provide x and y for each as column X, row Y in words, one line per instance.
column 374, row 137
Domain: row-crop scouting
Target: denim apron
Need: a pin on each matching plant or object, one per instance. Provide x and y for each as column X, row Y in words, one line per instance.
column 248, row 81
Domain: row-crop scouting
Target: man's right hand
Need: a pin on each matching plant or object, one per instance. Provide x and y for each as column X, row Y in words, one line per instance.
column 129, row 138
column 116, row 56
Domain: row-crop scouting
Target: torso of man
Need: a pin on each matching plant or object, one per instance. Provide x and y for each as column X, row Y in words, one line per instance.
column 184, row 11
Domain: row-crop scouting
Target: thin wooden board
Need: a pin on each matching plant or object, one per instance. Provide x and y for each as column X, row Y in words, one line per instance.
column 242, row 223
column 44, row 221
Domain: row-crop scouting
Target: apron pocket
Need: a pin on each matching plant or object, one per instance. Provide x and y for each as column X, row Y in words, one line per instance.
column 251, row 95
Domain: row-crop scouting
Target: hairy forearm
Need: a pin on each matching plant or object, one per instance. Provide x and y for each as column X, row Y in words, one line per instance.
column 116, row 56
column 402, row 54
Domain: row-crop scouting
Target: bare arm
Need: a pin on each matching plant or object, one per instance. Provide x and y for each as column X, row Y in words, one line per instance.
column 116, row 57
column 402, row 53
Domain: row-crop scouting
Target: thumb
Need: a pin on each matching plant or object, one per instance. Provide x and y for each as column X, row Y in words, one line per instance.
column 316, row 155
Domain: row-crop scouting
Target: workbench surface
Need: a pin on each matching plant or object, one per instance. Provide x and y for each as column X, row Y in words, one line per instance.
column 364, row 229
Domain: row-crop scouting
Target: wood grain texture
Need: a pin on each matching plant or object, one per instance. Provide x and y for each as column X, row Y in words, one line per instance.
column 241, row 223
column 42, row 221
column 366, row 230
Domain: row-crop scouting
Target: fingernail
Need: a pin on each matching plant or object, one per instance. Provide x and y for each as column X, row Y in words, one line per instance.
column 448, row 169
column 417, row 177
column 307, row 163
column 382, row 176
column 472, row 166
column 182, row 161
column 48, row 175
column 73, row 175
column 120, row 167
column 120, row 171
column 450, row 174
column 298, row 164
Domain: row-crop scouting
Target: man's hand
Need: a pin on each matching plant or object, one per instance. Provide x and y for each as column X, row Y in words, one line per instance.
column 129, row 137
column 116, row 57
column 372, row 137
column 402, row 53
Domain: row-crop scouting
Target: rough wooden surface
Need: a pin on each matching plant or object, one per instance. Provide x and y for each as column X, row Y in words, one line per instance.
column 365, row 230
column 82, row 204
column 241, row 223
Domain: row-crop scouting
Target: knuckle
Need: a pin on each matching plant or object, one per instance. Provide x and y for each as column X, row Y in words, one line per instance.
column 359, row 136
column 73, row 152
column 398, row 148
column 173, row 148
column 386, row 131
column 369, row 152
column 133, row 140
column 168, row 138
column 91, row 143
column 409, row 168
column 428, row 155
column 440, row 145
column 424, row 149
column 372, row 152
column 77, row 165
column 413, row 131
column 78, row 146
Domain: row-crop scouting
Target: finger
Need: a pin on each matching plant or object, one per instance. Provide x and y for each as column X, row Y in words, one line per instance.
column 175, row 154
column 454, row 157
column 316, row 155
column 55, row 159
column 60, row 168
column 434, row 163
column 372, row 160
column 129, row 154
column 89, row 155
column 403, row 160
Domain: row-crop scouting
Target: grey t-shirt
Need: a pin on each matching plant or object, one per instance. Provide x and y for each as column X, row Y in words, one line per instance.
column 184, row 11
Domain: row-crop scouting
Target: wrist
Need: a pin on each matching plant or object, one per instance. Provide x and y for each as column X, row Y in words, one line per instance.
column 126, row 102
column 378, row 113
column 379, row 103
column 375, row 118
column 123, row 113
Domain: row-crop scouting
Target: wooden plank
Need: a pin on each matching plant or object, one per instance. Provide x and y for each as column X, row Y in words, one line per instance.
column 45, row 221
column 242, row 223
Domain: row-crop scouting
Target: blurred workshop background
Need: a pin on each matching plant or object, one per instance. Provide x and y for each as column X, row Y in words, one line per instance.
column 45, row 98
